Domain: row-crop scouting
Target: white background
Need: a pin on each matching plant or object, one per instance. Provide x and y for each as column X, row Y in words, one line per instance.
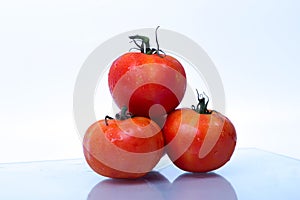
column 254, row 44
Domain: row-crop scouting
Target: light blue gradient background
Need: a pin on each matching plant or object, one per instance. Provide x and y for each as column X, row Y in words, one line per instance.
column 254, row 45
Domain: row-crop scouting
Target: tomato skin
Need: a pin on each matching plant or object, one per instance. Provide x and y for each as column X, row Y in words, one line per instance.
column 199, row 142
column 123, row 149
column 140, row 81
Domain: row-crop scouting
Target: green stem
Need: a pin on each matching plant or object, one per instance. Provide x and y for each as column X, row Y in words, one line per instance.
column 106, row 118
column 144, row 47
column 145, row 41
column 123, row 114
column 201, row 107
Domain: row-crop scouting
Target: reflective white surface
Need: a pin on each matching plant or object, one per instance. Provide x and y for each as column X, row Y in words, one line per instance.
column 251, row 174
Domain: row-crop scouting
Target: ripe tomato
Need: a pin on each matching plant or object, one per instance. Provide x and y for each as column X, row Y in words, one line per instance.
column 199, row 140
column 148, row 83
column 126, row 148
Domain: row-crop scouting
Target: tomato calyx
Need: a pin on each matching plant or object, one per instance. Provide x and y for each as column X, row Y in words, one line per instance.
column 122, row 115
column 144, row 47
column 201, row 107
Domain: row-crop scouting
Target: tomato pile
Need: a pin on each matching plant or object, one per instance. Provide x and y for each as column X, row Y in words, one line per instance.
column 148, row 86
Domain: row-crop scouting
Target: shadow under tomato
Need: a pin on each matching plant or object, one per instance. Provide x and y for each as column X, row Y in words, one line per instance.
column 208, row 186
column 152, row 186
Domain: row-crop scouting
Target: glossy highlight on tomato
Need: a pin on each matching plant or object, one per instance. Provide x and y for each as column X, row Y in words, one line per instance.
column 149, row 83
column 148, row 86
column 199, row 142
column 128, row 148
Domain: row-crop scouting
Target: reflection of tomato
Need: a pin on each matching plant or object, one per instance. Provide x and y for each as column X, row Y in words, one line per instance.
column 147, row 187
column 123, row 148
column 199, row 142
column 141, row 82
column 201, row 186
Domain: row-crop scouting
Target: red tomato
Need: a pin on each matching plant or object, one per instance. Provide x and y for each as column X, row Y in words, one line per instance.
column 123, row 148
column 199, row 142
column 149, row 85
